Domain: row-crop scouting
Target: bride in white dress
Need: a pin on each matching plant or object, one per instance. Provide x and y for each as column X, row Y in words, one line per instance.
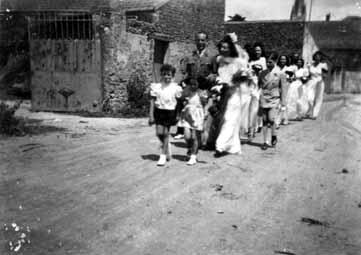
column 231, row 61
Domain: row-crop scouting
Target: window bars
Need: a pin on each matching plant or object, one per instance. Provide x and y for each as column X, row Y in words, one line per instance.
column 61, row 26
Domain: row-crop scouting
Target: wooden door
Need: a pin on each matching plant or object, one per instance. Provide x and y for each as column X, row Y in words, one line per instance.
column 66, row 66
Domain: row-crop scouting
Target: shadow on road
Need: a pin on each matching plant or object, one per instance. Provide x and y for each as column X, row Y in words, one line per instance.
column 179, row 144
column 183, row 158
column 151, row 157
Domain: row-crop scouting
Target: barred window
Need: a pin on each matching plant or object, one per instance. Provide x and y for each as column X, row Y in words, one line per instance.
column 52, row 25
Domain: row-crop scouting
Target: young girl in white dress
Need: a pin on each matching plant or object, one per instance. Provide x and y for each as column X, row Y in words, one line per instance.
column 162, row 111
column 192, row 117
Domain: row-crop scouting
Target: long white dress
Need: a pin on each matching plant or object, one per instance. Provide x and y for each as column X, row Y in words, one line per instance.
column 316, row 88
column 228, row 139
column 255, row 121
column 297, row 104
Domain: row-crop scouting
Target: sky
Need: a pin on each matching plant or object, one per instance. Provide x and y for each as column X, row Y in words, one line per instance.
column 281, row 9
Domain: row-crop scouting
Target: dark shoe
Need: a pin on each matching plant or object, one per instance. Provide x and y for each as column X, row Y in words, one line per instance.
column 219, row 154
column 259, row 130
column 274, row 140
column 264, row 146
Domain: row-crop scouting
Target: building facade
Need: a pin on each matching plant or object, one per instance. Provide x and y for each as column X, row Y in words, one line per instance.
column 101, row 55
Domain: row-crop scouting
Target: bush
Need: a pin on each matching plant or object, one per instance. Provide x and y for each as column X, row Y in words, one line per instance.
column 138, row 95
column 9, row 124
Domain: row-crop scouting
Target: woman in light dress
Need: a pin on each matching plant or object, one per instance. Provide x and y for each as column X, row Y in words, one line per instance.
column 284, row 67
column 316, row 85
column 230, row 62
column 297, row 104
column 257, row 64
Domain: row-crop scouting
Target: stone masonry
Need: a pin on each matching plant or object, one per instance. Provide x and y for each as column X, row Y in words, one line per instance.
column 286, row 37
column 128, row 47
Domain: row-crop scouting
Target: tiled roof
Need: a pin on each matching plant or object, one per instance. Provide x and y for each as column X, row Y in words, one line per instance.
column 43, row 5
column 336, row 34
column 143, row 5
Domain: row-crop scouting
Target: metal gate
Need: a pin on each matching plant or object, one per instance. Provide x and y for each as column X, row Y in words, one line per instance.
column 65, row 58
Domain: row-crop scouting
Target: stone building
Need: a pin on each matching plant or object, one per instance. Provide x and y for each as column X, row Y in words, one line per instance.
column 163, row 31
column 340, row 43
column 65, row 46
column 101, row 55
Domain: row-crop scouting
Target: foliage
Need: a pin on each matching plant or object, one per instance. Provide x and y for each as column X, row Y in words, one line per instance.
column 236, row 17
column 138, row 96
column 9, row 124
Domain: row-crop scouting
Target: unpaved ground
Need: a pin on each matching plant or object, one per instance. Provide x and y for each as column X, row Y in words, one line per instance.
column 90, row 186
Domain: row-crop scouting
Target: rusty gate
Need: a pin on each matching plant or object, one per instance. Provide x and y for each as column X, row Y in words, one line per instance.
column 65, row 56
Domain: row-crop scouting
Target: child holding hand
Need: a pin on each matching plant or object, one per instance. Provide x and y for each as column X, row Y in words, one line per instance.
column 162, row 110
column 192, row 118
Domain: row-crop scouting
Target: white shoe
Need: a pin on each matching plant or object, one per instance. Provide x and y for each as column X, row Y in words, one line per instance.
column 192, row 160
column 162, row 160
column 179, row 136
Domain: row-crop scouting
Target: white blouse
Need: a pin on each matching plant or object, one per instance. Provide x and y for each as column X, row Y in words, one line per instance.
column 165, row 95
column 261, row 62
column 316, row 71
column 301, row 73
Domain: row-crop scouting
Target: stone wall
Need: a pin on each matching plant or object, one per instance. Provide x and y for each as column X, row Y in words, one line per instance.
column 127, row 57
column 286, row 37
column 183, row 18
column 128, row 47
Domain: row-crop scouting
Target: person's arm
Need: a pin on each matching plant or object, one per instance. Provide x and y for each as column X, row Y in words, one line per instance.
column 183, row 65
column 153, row 96
column 283, row 88
column 151, row 111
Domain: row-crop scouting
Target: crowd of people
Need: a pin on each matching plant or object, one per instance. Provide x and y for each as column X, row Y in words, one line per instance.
column 237, row 93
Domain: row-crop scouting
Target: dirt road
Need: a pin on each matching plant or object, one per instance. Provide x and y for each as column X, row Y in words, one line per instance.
column 91, row 186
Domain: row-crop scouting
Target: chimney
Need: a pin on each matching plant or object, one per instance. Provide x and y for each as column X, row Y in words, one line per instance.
column 328, row 17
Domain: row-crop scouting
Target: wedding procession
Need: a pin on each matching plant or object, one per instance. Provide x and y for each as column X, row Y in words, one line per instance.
column 236, row 93
column 180, row 127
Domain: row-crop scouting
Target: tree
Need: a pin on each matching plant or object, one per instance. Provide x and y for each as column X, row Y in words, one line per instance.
column 236, row 17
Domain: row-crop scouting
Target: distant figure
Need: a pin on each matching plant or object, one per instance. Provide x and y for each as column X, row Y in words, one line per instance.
column 316, row 84
column 297, row 104
column 284, row 67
